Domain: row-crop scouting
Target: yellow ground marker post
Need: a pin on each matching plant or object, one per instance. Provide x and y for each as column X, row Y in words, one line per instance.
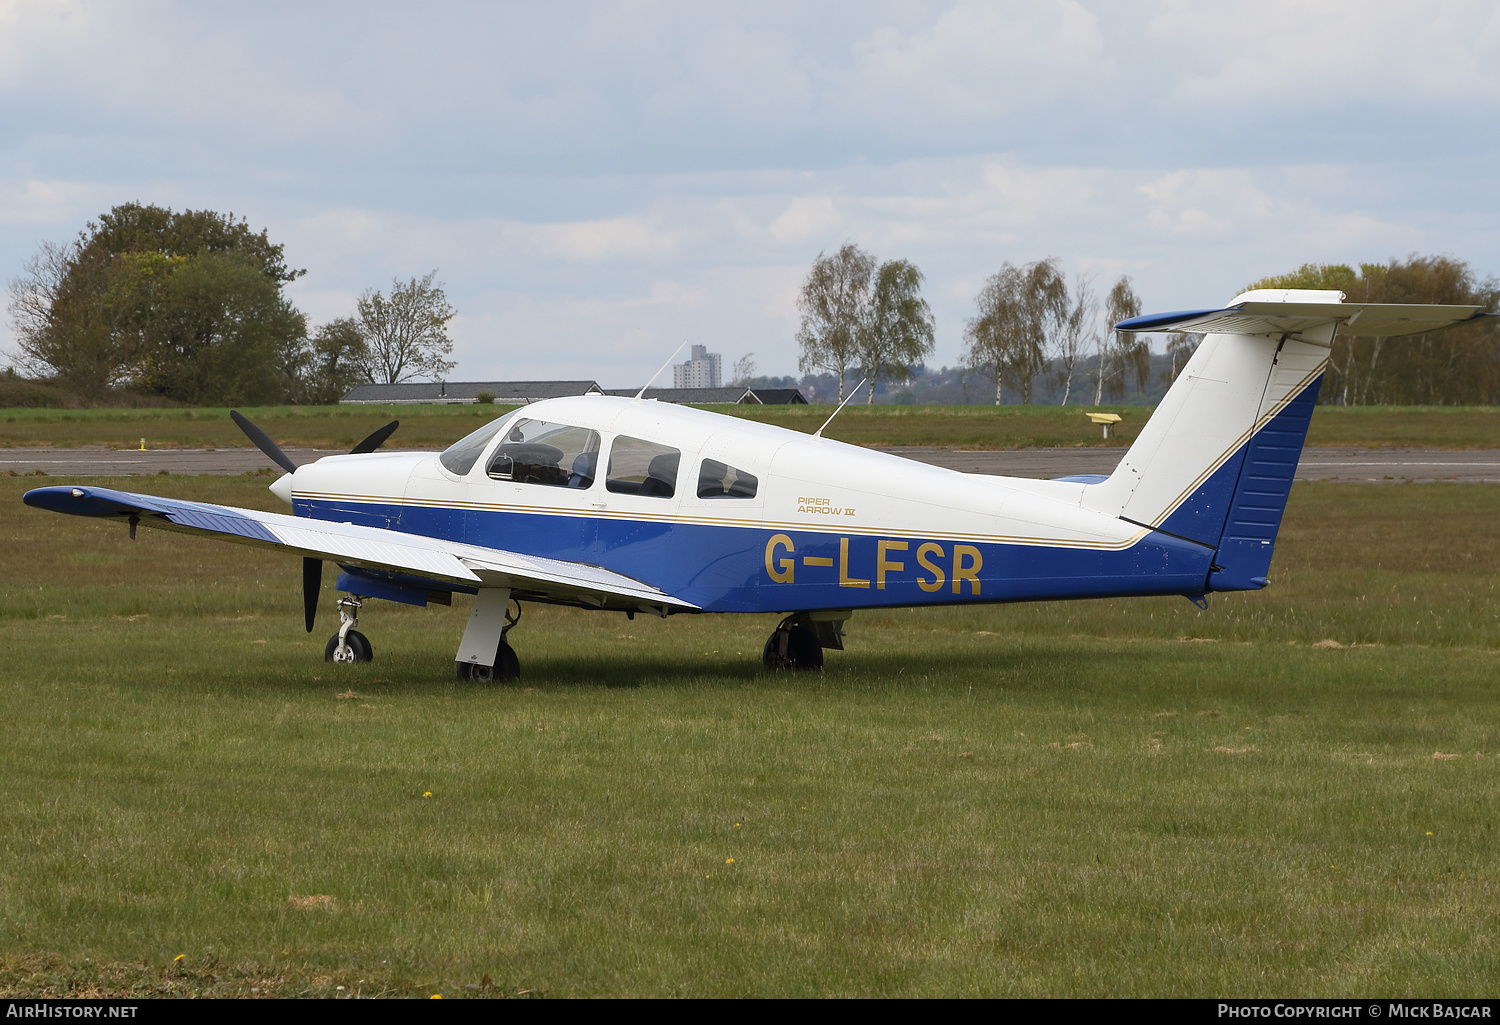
column 1104, row 419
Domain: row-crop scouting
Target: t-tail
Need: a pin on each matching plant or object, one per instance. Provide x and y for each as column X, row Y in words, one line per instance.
column 1215, row 463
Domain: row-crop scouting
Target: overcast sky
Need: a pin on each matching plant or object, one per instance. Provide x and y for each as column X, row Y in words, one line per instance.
column 597, row 182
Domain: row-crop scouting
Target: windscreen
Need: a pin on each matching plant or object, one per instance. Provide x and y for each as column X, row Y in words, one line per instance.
column 460, row 457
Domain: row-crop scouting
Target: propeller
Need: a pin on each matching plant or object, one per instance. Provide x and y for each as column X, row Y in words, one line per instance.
column 263, row 441
column 312, row 569
column 376, row 439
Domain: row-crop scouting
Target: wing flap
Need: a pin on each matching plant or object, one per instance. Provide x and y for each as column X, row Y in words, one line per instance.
column 371, row 547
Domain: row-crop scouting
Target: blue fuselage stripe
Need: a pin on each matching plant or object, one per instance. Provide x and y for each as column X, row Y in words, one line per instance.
column 725, row 568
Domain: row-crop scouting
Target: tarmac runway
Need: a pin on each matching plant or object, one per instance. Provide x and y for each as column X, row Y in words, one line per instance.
column 1387, row 466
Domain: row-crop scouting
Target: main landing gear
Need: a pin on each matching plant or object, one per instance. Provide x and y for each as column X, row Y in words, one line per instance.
column 484, row 655
column 798, row 641
column 348, row 645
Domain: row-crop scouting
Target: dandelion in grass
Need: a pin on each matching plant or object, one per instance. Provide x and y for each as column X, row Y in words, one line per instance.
column 427, row 794
column 729, row 861
column 179, row 957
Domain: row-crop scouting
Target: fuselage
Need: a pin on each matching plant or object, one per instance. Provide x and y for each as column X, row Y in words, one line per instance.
column 755, row 518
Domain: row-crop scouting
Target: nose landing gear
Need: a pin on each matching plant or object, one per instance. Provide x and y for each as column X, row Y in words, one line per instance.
column 348, row 645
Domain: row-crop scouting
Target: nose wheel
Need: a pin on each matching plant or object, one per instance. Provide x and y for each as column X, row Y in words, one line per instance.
column 348, row 645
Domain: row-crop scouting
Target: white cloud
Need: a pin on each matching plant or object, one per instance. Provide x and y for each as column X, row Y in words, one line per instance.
column 596, row 183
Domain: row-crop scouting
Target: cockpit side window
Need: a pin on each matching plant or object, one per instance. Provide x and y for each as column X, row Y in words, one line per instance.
column 639, row 467
column 720, row 480
column 459, row 458
column 538, row 452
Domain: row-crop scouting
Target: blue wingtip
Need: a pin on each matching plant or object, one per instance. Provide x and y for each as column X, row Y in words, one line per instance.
column 75, row 502
column 1162, row 321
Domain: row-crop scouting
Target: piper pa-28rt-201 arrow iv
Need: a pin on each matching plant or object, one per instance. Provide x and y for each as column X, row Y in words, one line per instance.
column 632, row 505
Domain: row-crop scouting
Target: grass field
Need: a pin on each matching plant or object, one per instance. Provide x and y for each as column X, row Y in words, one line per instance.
column 1103, row 798
column 972, row 427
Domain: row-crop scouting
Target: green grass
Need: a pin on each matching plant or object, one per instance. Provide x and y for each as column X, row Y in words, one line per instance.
column 964, row 427
column 1103, row 798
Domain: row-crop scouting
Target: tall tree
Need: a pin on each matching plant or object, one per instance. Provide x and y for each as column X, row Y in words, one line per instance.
column 897, row 330
column 144, row 292
column 1020, row 312
column 1123, row 355
column 63, row 327
column 407, row 331
column 217, row 333
column 1075, row 333
column 321, row 371
column 833, row 305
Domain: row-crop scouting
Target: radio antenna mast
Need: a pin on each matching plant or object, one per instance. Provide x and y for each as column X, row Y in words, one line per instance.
column 819, row 432
column 659, row 370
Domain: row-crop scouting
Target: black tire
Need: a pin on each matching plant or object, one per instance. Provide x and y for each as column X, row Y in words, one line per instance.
column 358, row 643
column 507, row 667
column 794, row 647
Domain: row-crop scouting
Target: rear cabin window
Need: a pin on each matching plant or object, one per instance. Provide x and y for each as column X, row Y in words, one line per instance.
column 459, row 458
column 639, row 467
column 538, row 452
column 720, row 480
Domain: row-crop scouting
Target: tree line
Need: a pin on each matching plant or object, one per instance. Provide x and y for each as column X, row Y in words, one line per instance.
column 1030, row 324
column 858, row 312
column 191, row 306
column 1456, row 367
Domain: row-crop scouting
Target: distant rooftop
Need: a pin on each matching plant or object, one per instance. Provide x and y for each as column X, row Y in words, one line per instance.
column 506, row 393
column 517, row 393
column 700, row 396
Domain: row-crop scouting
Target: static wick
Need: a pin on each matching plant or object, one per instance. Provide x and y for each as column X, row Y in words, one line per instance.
column 659, row 370
column 819, row 432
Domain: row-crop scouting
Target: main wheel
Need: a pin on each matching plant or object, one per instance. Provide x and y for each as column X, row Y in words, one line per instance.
column 507, row 667
column 356, row 648
column 793, row 647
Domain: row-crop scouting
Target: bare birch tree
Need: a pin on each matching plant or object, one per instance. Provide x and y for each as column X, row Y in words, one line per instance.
column 833, row 304
column 1077, row 330
column 1020, row 312
column 1121, row 353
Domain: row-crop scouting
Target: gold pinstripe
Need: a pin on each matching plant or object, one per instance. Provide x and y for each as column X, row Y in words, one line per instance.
column 716, row 521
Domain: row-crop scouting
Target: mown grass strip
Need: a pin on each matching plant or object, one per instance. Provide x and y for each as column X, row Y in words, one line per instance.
column 1105, row 798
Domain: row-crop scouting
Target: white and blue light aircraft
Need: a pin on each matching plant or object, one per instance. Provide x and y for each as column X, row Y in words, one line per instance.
column 632, row 506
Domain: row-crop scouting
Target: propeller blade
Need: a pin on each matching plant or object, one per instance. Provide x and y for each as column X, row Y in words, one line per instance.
column 312, row 584
column 263, row 442
column 375, row 440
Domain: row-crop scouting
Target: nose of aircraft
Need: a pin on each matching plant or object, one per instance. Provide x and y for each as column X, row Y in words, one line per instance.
column 282, row 489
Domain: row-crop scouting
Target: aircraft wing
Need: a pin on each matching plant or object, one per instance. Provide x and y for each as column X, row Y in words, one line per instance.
column 1272, row 318
column 367, row 547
